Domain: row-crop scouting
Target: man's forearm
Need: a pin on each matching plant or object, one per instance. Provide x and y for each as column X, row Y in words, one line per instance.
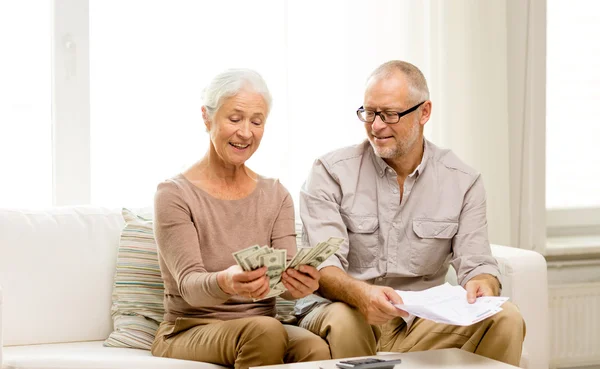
column 336, row 285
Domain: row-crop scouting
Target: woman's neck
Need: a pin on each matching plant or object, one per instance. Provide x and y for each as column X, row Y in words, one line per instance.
column 215, row 170
column 222, row 181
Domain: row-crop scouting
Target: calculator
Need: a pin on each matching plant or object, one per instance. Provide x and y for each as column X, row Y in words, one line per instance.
column 368, row 363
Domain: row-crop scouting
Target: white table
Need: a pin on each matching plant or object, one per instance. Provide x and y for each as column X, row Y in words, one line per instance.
column 447, row 358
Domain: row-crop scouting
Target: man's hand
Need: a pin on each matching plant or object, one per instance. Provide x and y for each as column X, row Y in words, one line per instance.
column 302, row 282
column 376, row 304
column 482, row 285
column 235, row 281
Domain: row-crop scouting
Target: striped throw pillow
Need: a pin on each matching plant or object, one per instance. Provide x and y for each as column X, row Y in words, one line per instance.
column 137, row 299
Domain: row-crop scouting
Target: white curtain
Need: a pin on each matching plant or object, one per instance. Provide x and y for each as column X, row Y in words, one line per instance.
column 488, row 72
column 526, row 26
column 469, row 91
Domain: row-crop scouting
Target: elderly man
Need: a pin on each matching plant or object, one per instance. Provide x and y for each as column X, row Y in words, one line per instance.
column 408, row 209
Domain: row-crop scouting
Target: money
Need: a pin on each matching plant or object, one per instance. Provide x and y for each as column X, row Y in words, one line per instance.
column 300, row 254
column 324, row 253
column 240, row 256
column 323, row 250
column 255, row 257
column 275, row 263
column 273, row 292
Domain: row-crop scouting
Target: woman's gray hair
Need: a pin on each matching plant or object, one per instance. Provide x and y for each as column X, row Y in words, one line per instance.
column 229, row 83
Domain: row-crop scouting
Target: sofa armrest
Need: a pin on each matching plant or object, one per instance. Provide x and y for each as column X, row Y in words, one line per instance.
column 525, row 281
column 1, row 342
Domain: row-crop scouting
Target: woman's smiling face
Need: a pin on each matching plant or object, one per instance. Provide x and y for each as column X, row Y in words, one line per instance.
column 237, row 127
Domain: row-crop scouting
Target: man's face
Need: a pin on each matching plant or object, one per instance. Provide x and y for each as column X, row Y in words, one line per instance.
column 390, row 93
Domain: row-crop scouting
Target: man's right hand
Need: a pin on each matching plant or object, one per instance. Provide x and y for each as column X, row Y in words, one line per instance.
column 376, row 304
column 235, row 281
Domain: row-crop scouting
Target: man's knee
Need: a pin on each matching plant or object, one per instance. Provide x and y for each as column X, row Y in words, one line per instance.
column 510, row 319
column 342, row 316
column 347, row 332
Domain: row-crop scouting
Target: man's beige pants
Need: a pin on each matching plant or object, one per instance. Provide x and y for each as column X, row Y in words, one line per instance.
column 239, row 343
column 498, row 337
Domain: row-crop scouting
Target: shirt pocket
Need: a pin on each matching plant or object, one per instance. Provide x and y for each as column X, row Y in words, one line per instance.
column 431, row 245
column 363, row 238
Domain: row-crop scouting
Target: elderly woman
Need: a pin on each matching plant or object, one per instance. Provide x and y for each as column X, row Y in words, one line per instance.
column 217, row 207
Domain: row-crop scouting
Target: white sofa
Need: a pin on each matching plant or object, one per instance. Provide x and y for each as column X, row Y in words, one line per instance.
column 56, row 277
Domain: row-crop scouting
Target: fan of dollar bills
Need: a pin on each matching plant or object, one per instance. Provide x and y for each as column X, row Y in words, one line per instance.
column 256, row 256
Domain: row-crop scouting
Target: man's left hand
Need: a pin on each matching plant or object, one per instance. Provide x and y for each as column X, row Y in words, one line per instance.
column 482, row 285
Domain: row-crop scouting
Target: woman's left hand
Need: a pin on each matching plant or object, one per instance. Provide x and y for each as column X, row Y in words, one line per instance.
column 301, row 282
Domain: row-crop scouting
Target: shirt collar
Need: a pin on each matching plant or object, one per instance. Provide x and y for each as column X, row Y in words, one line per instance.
column 381, row 165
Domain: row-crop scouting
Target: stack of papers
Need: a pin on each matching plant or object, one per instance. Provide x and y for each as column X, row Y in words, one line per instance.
column 448, row 304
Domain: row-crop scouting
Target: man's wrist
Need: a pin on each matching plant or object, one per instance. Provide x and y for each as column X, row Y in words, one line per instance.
column 360, row 292
column 497, row 284
column 493, row 280
column 337, row 285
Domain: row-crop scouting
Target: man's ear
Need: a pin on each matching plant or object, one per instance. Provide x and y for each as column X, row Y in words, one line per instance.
column 206, row 118
column 425, row 112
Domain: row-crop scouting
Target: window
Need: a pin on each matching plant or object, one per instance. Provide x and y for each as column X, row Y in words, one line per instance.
column 146, row 82
column 25, row 104
column 573, row 111
column 127, row 77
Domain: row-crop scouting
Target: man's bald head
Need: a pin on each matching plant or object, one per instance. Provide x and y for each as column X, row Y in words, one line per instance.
column 418, row 90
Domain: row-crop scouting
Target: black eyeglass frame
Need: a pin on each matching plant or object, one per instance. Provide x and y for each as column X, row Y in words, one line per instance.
column 376, row 113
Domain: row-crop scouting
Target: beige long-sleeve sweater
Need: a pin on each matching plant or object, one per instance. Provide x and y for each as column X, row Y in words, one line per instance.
column 196, row 234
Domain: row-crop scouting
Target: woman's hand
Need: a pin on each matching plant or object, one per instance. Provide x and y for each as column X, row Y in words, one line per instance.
column 301, row 282
column 235, row 281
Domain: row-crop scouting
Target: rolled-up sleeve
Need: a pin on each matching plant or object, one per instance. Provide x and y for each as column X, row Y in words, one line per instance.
column 320, row 213
column 471, row 247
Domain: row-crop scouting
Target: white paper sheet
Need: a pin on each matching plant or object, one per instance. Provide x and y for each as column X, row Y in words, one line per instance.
column 448, row 304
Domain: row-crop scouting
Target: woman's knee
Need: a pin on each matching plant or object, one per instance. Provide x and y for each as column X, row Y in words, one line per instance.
column 266, row 328
column 263, row 340
column 311, row 348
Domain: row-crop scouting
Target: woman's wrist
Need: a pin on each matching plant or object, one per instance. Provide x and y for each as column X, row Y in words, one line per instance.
column 223, row 280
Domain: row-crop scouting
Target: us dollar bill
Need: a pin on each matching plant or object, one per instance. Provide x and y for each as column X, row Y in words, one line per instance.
column 321, row 252
column 273, row 292
column 240, row 256
column 275, row 263
column 275, row 260
column 300, row 254
column 253, row 260
column 324, row 253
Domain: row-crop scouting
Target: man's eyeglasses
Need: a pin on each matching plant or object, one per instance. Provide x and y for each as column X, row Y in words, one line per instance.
column 388, row 117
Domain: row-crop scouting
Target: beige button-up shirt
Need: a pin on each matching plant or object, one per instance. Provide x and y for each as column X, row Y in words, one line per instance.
column 352, row 193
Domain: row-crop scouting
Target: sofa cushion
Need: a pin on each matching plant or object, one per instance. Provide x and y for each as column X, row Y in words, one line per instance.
column 84, row 355
column 137, row 300
column 56, row 273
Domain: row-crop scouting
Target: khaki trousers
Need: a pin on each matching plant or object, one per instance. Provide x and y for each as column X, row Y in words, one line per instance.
column 239, row 343
column 499, row 337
